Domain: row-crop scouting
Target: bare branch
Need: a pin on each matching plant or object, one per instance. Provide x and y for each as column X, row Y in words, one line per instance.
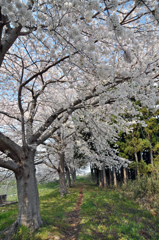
column 39, row 162
column 8, row 41
column 44, row 70
column 9, row 164
column 21, row 108
column 10, row 116
column 128, row 14
column 13, row 149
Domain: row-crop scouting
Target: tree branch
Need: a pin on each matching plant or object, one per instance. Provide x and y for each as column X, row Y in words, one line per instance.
column 44, row 70
column 9, row 164
column 8, row 41
column 14, row 150
column 10, row 116
column 20, row 106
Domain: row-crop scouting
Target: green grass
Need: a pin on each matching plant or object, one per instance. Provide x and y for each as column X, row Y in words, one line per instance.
column 104, row 214
column 110, row 215
column 54, row 210
column 11, row 191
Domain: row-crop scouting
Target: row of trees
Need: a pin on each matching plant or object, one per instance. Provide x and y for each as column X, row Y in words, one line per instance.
column 66, row 66
column 142, row 142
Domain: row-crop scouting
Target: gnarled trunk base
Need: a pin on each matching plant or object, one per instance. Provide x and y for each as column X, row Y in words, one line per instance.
column 8, row 232
column 28, row 198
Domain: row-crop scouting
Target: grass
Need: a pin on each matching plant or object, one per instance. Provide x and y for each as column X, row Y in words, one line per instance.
column 109, row 214
column 112, row 214
column 54, row 211
column 11, row 191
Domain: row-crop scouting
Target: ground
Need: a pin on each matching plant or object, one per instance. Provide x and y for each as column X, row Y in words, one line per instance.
column 86, row 213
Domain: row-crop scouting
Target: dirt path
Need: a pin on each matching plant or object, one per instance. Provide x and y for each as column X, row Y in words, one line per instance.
column 74, row 221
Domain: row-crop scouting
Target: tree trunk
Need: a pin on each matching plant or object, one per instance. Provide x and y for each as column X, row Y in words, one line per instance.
column 28, row 197
column 125, row 175
column 92, row 175
column 62, row 183
column 104, row 177
column 151, row 152
column 110, row 176
column 136, row 159
column 68, row 176
column 96, row 176
column 100, row 178
column 141, row 155
column 151, row 157
column 114, row 177
column 73, row 174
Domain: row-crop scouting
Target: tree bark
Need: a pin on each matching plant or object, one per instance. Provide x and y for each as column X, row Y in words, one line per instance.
column 68, row 176
column 151, row 152
column 125, row 175
column 100, row 178
column 24, row 169
column 110, row 176
column 62, row 183
column 8, row 40
column 141, row 155
column 92, row 175
column 151, row 157
column 104, row 177
column 97, row 176
column 136, row 159
column 114, row 177
column 28, row 197
column 73, row 174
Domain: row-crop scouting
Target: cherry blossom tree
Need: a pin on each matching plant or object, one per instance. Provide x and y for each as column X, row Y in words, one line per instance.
column 62, row 58
column 57, row 156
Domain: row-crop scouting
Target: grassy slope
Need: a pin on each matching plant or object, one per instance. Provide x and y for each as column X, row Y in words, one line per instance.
column 104, row 215
column 110, row 215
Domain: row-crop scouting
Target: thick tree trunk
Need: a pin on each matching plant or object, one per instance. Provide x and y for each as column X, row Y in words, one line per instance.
column 114, row 177
column 104, row 177
column 29, row 213
column 68, row 176
column 62, row 183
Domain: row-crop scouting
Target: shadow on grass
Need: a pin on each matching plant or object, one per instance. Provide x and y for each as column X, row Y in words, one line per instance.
column 107, row 215
column 53, row 209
